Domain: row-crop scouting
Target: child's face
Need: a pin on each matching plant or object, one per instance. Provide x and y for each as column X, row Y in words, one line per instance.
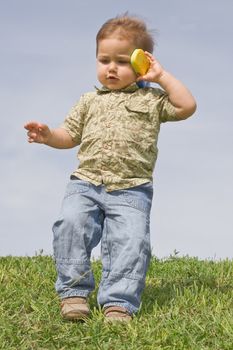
column 113, row 63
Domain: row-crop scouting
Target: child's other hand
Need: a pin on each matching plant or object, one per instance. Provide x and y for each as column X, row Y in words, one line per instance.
column 39, row 133
column 155, row 71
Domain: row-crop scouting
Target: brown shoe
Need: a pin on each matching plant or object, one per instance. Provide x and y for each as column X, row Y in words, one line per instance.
column 117, row 313
column 75, row 308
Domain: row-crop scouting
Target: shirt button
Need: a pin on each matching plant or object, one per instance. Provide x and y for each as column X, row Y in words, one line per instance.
column 107, row 145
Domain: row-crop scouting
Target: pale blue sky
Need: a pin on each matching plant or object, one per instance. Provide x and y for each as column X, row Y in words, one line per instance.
column 47, row 53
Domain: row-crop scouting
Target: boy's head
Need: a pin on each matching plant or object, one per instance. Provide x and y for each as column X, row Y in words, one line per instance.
column 130, row 28
column 116, row 40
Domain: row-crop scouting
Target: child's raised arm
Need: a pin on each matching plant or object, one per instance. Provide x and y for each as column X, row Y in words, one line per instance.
column 179, row 96
column 41, row 133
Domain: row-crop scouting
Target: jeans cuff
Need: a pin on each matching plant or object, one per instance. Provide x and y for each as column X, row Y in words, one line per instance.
column 74, row 293
column 131, row 309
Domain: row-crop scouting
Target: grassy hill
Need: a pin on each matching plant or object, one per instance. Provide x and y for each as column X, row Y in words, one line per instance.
column 187, row 304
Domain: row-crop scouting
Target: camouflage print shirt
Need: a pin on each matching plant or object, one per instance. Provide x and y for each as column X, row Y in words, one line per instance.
column 117, row 131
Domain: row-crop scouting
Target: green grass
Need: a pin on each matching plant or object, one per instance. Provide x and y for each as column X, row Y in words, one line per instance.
column 187, row 304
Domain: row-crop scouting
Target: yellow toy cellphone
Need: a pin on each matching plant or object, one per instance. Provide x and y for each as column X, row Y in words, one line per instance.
column 139, row 61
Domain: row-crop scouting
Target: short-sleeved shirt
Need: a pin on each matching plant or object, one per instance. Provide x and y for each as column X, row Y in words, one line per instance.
column 117, row 131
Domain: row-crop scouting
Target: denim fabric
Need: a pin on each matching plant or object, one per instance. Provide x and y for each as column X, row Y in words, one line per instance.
column 120, row 220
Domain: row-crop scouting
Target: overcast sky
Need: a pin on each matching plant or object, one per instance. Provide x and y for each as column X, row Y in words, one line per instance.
column 48, row 60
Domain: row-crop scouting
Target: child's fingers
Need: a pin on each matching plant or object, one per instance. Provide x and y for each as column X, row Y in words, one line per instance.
column 148, row 54
column 31, row 136
column 29, row 126
column 35, row 132
column 143, row 77
column 34, row 136
column 32, row 126
column 31, row 140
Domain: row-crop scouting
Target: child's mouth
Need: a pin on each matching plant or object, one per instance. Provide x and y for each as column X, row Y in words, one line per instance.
column 111, row 77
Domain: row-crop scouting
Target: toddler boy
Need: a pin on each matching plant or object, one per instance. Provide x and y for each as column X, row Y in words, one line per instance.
column 109, row 196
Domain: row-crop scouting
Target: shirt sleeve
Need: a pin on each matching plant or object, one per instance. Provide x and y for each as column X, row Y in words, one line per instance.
column 166, row 110
column 74, row 121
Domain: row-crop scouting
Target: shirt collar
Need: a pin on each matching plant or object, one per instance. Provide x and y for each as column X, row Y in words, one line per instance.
column 131, row 88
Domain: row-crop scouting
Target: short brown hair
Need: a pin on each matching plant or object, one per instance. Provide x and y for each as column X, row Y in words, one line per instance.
column 130, row 28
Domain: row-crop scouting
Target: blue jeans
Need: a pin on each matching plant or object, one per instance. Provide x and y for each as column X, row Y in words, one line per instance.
column 120, row 220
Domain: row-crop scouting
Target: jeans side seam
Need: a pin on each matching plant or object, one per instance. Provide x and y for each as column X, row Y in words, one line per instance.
column 107, row 246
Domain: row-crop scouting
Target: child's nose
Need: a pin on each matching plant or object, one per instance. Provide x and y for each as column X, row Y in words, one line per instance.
column 112, row 66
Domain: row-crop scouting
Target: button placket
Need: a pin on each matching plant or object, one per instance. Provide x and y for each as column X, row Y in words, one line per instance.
column 106, row 139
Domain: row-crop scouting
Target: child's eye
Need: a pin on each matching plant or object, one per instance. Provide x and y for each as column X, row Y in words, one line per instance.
column 103, row 60
column 123, row 62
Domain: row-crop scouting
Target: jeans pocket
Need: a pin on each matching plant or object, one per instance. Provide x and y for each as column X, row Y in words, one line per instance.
column 76, row 186
column 139, row 197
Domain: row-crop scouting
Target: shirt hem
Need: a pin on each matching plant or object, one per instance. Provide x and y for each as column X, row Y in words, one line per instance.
column 113, row 186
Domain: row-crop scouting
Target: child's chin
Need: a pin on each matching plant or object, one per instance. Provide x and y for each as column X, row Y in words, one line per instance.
column 114, row 86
